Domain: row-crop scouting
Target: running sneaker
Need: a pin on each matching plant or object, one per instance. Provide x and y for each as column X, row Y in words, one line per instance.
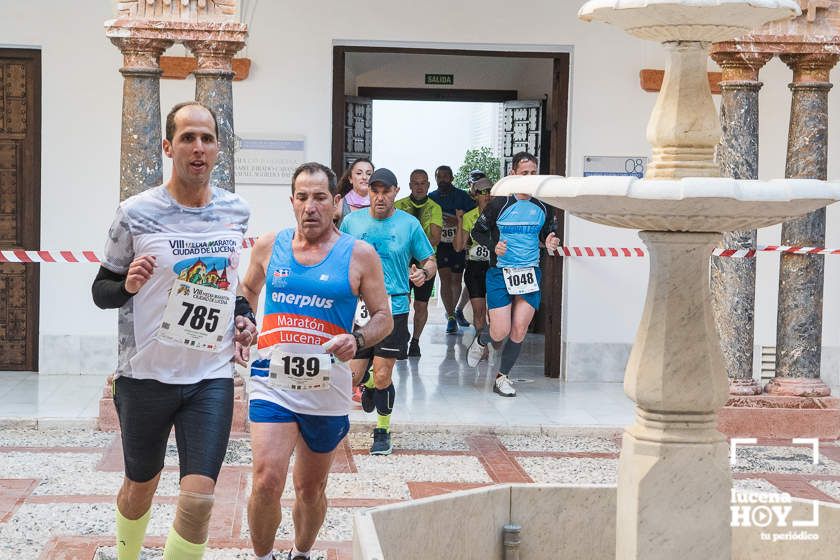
column 476, row 352
column 381, row 442
column 451, row 325
column 414, row 349
column 295, row 557
column 459, row 316
column 503, row 387
column 367, row 399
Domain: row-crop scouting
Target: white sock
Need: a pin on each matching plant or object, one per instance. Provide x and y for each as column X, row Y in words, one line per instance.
column 296, row 552
column 269, row 556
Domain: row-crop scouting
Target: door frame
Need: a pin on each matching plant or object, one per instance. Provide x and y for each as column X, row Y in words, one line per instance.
column 29, row 195
column 558, row 128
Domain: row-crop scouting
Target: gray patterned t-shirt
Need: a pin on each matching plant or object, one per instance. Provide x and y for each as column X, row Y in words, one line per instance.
column 197, row 245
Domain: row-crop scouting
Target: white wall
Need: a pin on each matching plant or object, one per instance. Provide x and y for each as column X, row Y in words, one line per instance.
column 289, row 91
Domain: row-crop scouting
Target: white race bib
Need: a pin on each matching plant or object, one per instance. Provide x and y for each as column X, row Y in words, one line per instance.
column 520, row 280
column 479, row 253
column 196, row 316
column 294, row 371
column 447, row 234
column 362, row 316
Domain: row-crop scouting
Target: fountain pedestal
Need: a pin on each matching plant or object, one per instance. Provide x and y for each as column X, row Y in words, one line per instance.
column 676, row 395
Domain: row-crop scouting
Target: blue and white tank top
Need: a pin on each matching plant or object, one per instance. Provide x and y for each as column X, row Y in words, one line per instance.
column 305, row 306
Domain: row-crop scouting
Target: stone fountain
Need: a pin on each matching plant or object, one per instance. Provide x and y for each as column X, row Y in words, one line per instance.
column 674, row 484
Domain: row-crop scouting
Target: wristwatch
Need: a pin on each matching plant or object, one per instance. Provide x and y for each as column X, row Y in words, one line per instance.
column 360, row 340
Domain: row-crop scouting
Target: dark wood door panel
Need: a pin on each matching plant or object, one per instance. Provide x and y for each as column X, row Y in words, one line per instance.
column 20, row 105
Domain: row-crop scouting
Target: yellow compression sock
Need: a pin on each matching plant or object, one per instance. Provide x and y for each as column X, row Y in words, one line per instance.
column 179, row 549
column 383, row 421
column 130, row 534
column 369, row 384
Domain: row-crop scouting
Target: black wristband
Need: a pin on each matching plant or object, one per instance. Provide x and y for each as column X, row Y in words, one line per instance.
column 360, row 340
column 243, row 308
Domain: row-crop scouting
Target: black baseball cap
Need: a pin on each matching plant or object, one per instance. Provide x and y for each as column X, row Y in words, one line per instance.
column 384, row 176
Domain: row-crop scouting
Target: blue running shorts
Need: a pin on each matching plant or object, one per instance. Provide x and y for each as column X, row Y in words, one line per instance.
column 497, row 294
column 321, row 433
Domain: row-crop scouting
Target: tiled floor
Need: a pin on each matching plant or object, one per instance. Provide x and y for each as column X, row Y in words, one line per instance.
column 58, row 486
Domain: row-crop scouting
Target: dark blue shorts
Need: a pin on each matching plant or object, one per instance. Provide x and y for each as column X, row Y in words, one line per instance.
column 201, row 413
column 322, row 434
column 448, row 257
column 497, row 294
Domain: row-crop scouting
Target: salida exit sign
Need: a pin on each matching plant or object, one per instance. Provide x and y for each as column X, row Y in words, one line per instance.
column 440, row 79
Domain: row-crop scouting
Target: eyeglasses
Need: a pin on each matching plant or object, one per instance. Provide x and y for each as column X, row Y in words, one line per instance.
column 486, row 191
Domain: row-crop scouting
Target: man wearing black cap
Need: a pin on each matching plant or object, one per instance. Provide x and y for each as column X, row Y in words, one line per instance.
column 397, row 237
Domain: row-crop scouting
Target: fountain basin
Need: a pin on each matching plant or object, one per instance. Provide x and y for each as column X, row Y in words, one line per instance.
column 688, row 20
column 558, row 521
column 707, row 204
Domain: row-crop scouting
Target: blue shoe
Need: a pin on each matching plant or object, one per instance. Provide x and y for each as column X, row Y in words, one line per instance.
column 381, row 442
column 459, row 316
column 451, row 325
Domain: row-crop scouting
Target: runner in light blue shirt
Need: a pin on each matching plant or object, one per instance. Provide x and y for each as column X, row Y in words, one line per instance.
column 512, row 228
column 397, row 237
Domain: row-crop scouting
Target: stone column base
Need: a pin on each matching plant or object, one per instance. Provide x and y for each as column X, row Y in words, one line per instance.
column 108, row 421
column 798, row 387
column 744, row 387
column 780, row 417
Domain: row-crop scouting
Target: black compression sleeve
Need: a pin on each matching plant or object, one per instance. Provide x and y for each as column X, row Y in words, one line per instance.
column 109, row 289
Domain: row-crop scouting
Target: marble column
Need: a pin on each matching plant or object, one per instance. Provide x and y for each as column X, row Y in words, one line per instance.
column 141, row 158
column 799, row 322
column 733, row 279
column 214, row 88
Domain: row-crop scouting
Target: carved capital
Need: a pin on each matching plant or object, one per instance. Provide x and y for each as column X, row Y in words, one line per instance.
column 214, row 55
column 740, row 66
column 140, row 53
column 810, row 67
column 178, row 10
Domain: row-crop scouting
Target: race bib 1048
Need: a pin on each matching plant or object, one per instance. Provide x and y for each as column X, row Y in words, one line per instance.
column 294, row 371
column 196, row 317
column 520, row 280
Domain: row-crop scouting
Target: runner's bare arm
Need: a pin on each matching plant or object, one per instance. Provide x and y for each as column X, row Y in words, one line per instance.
column 434, row 234
column 372, row 291
column 254, row 280
column 426, row 271
column 460, row 241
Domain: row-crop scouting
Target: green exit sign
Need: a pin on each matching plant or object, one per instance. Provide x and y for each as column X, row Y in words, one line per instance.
column 440, row 79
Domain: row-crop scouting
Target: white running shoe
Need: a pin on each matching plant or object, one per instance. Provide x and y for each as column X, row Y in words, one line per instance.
column 503, row 387
column 476, row 353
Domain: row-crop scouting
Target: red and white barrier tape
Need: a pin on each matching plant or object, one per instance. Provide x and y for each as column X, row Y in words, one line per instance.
column 21, row 256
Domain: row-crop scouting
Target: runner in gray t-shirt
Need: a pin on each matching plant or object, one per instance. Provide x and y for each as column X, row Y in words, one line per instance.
column 170, row 266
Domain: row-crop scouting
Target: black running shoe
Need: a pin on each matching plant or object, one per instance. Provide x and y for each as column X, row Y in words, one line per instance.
column 367, row 399
column 459, row 316
column 381, row 442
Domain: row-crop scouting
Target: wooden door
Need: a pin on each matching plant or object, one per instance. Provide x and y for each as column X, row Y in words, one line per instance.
column 358, row 129
column 20, row 105
column 521, row 131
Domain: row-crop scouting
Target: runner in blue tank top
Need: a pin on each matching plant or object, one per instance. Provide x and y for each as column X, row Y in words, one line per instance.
column 397, row 237
column 512, row 228
column 301, row 384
